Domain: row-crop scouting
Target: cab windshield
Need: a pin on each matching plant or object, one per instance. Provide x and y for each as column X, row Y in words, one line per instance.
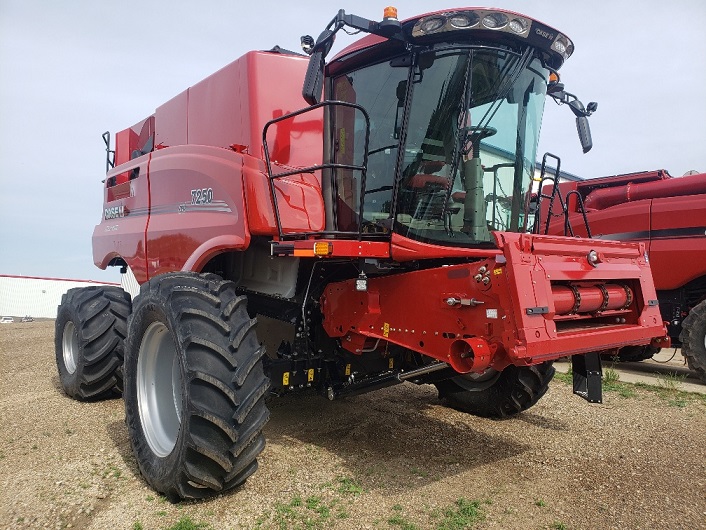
column 452, row 146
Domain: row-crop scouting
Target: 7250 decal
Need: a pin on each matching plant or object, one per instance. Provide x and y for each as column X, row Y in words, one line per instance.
column 202, row 196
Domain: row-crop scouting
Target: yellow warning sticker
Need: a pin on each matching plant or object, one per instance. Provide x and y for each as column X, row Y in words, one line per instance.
column 285, row 379
column 386, row 329
column 497, row 272
column 391, row 363
column 342, row 141
column 310, row 375
column 348, row 369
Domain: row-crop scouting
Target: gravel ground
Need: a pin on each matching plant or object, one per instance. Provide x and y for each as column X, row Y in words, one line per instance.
column 394, row 459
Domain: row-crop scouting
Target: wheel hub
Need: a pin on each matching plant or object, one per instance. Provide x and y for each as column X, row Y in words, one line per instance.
column 69, row 347
column 159, row 389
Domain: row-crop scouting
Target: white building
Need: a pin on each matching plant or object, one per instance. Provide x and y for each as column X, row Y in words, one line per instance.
column 36, row 297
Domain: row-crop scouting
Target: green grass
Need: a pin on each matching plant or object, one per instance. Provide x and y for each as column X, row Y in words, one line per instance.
column 398, row 520
column 185, row 523
column 310, row 513
column 463, row 514
column 671, row 381
column 611, row 383
column 610, row 376
column 564, row 378
column 112, row 471
column 316, row 505
column 667, row 388
column 349, row 486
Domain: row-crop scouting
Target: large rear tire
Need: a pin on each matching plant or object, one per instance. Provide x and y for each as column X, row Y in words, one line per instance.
column 693, row 339
column 90, row 329
column 497, row 395
column 194, row 386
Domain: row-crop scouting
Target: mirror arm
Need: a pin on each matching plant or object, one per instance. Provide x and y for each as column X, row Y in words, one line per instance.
column 582, row 113
column 389, row 28
column 562, row 97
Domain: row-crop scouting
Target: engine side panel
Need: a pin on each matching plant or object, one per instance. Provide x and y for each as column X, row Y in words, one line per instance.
column 196, row 207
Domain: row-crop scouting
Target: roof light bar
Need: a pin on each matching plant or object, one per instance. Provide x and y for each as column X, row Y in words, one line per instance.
column 533, row 32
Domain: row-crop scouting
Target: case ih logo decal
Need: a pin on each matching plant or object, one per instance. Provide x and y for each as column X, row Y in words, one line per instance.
column 115, row 212
column 546, row 34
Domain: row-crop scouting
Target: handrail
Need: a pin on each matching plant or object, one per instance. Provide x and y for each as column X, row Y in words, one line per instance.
column 317, row 167
column 563, row 201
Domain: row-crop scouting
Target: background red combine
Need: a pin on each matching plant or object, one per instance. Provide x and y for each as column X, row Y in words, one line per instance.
column 380, row 234
column 668, row 215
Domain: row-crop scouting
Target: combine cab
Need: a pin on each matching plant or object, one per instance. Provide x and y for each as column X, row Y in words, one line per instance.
column 378, row 234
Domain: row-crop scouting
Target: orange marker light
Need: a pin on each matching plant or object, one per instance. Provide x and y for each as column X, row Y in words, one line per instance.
column 553, row 77
column 323, row 248
column 389, row 12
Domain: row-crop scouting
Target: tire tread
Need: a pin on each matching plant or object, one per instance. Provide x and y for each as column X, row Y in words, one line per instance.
column 222, row 362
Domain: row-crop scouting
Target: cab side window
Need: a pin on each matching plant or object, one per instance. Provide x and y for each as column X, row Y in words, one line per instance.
column 376, row 89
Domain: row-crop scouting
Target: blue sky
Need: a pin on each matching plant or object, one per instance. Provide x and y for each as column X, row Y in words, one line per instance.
column 71, row 70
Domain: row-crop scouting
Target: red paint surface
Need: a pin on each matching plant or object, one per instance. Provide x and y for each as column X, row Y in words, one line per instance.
column 667, row 214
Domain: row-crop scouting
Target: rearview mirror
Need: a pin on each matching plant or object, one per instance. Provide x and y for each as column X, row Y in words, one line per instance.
column 584, row 131
column 556, row 91
column 314, row 79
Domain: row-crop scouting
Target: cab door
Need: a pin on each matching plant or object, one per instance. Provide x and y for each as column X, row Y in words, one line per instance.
column 375, row 88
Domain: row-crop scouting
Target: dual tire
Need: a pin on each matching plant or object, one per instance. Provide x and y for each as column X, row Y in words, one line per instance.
column 90, row 329
column 194, row 385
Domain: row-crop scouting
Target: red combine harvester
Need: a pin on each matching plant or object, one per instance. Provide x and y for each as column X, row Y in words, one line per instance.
column 666, row 214
column 379, row 235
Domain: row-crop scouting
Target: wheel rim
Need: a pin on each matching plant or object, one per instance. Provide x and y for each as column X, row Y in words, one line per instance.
column 159, row 394
column 69, row 347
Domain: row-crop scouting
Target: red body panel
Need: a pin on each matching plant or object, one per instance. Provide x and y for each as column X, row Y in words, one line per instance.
column 668, row 214
column 678, row 242
column 404, row 249
column 209, row 138
column 121, row 233
column 181, row 230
